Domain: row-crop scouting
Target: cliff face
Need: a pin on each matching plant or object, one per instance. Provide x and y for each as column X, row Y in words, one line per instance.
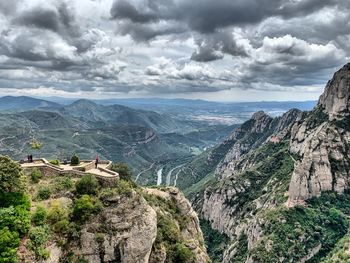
column 128, row 229
column 335, row 100
column 259, row 129
column 321, row 143
column 119, row 223
column 246, row 183
column 276, row 164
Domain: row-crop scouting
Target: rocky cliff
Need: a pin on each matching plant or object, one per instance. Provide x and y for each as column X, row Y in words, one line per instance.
column 121, row 223
column 276, row 164
column 321, row 143
column 129, row 229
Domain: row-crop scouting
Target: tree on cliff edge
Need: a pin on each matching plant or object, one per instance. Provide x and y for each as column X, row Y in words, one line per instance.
column 11, row 176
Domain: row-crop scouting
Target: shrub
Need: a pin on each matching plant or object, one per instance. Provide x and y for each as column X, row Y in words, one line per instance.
column 38, row 236
column 43, row 193
column 9, row 241
column 99, row 237
column 182, row 254
column 57, row 213
column 124, row 187
column 58, row 217
column 35, row 175
column 39, row 216
column 75, row 160
column 83, row 208
column 123, row 170
column 63, row 184
column 55, row 162
column 88, row 184
column 16, row 218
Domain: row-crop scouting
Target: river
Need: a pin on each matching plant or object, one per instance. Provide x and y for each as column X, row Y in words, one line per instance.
column 159, row 176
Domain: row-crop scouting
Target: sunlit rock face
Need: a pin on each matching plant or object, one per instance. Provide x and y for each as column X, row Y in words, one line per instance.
column 322, row 143
column 335, row 99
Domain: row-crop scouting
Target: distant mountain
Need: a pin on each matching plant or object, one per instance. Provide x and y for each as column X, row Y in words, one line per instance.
column 112, row 115
column 11, row 103
column 118, row 133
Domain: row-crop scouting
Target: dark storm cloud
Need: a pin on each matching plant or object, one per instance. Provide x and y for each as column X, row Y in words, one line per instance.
column 145, row 32
column 9, row 7
column 206, row 15
column 58, row 19
column 213, row 46
column 142, row 20
column 41, row 18
column 202, row 45
column 125, row 10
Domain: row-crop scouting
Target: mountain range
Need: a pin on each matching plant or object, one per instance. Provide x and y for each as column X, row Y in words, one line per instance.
column 277, row 189
column 271, row 189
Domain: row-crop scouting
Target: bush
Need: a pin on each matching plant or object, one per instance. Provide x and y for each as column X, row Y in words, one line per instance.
column 123, row 170
column 124, row 187
column 9, row 241
column 55, row 162
column 35, row 175
column 38, row 237
column 16, row 218
column 58, row 217
column 63, row 184
column 39, row 216
column 84, row 207
column 43, row 193
column 182, row 254
column 75, row 160
column 57, row 213
column 88, row 184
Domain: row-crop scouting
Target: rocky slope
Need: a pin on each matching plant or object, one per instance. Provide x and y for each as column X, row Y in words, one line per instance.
column 273, row 166
column 114, row 223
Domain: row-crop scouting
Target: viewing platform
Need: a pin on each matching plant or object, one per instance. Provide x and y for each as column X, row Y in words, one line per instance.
column 85, row 167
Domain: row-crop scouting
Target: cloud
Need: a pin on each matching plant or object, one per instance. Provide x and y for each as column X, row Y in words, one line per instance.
column 57, row 18
column 165, row 47
column 214, row 46
column 206, row 15
column 289, row 61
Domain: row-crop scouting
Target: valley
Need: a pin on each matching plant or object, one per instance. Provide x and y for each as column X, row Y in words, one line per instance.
column 251, row 184
column 166, row 136
column 155, row 131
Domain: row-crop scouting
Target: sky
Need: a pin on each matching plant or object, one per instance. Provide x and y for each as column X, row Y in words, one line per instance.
column 223, row 50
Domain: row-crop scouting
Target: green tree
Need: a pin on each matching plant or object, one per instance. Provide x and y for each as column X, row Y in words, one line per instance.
column 88, row 184
column 123, row 170
column 84, row 207
column 75, row 160
column 11, row 176
column 9, row 241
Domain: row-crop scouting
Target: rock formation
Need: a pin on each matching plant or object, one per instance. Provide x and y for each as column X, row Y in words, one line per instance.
column 321, row 143
column 279, row 161
column 335, row 100
column 126, row 229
